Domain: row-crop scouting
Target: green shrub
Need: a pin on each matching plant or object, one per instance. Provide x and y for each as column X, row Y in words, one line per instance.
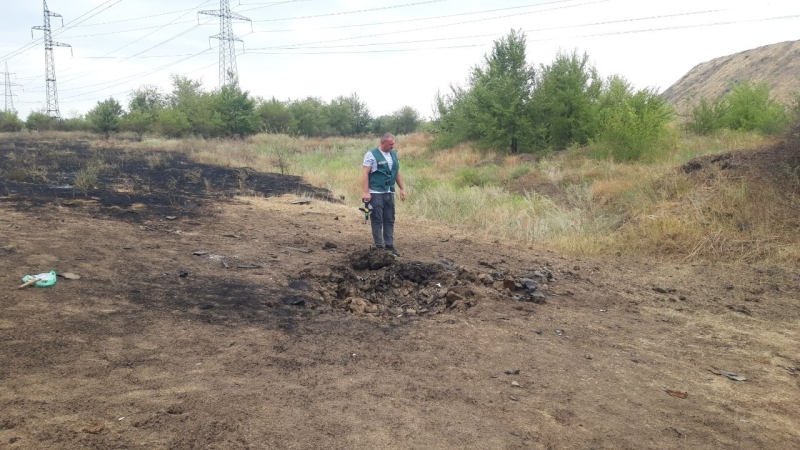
column 137, row 121
column 172, row 123
column 747, row 107
column 275, row 117
column 708, row 117
column 39, row 121
column 406, row 120
column 78, row 123
column 236, row 112
column 475, row 176
column 104, row 117
column 750, row 108
column 633, row 126
column 492, row 108
column 520, row 171
column 9, row 121
column 565, row 101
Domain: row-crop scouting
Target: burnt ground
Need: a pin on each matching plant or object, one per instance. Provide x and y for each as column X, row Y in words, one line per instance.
column 120, row 182
column 249, row 322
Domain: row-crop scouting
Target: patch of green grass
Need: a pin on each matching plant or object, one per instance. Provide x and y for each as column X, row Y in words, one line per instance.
column 519, row 171
column 477, row 176
column 18, row 174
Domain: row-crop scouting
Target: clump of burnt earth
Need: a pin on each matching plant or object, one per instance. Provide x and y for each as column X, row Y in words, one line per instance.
column 375, row 282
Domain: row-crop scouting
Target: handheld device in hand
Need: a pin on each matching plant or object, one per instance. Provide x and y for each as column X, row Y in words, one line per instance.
column 367, row 210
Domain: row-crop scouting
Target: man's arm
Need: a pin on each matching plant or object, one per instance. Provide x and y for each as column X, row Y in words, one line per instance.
column 402, row 186
column 365, row 182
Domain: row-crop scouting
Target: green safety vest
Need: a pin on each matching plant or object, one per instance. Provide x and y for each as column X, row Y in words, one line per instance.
column 383, row 179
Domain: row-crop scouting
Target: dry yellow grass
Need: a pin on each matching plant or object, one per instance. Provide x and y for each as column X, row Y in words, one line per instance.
column 457, row 158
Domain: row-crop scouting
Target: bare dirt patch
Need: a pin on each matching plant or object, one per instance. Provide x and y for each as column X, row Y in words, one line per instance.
column 252, row 322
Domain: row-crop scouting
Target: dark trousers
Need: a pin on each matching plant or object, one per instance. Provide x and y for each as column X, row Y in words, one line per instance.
column 382, row 219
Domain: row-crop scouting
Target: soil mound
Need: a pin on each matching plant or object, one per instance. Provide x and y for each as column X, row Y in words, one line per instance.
column 777, row 165
column 375, row 282
column 775, row 64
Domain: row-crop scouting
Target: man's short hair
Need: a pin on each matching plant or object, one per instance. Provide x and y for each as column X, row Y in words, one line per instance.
column 386, row 137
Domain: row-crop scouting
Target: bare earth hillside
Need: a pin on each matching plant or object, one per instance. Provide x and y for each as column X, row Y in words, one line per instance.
column 777, row 64
column 215, row 311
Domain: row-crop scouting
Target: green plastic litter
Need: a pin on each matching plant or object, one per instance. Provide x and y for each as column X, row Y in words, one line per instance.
column 42, row 279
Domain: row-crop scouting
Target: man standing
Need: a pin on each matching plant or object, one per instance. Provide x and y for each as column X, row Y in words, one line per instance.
column 380, row 173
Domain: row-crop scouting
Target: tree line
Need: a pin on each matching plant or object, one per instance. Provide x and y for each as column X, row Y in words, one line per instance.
column 509, row 104
column 225, row 112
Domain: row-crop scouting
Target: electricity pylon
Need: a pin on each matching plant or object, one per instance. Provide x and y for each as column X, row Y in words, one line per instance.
column 9, row 94
column 49, row 63
column 228, row 73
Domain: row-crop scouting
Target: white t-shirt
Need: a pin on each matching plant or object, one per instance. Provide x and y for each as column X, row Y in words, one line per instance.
column 369, row 161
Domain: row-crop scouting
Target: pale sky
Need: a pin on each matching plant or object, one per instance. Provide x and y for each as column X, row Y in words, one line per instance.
column 392, row 53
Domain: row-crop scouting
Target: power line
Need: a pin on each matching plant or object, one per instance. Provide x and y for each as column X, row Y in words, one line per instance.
column 466, row 46
column 358, row 11
column 416, row 19
column 157, row 30
column 140, row 75
column 67, row 26
column 140, row 18
column 268, row 4
column 168, row 13
column 292, row 49
column 610, row 22
column 306, row 29
column 614, row 33
column 84, row 74
column 347, row 12
column 81, row 75
column 675, row 27
column 50, row 86
column 300, row 45
column 128, row 31
column 125, row 92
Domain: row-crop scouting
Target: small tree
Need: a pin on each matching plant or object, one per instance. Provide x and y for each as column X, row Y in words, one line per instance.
column 382, row 124
column 406, row 120
column 144, row 104
column 147, row 99
column 105, row 116
column 196, row 106
column 309, row 116
column 275, row 117
column 39, row 121
column 751, row 108
column 172, row 122
column 361, row 114
column 632, row 124
column 236, row 111
column 10, row 122
column 75, row 122
column 453, row 117
column 708, row 117
column 565, row 102
column 138, row 122
column 501, row 90
column 339, row 117
column 748, row 106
